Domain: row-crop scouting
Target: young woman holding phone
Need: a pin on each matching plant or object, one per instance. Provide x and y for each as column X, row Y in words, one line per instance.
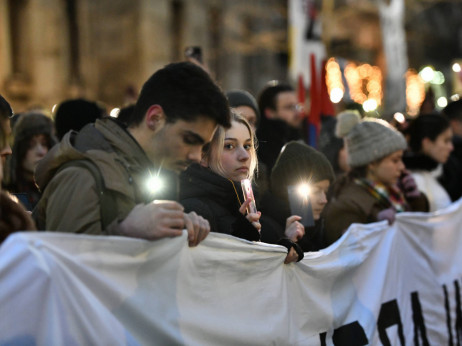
column 213, row 188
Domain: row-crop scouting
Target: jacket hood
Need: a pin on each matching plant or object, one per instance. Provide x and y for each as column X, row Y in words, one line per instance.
column 419, row 162
column 107, row 144
column 58, row 155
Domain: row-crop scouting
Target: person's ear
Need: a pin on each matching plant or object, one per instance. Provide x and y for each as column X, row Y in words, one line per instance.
column 204, row 162
column 155, row 117
column 426, row 144
column 270, row 113
column 371, row 168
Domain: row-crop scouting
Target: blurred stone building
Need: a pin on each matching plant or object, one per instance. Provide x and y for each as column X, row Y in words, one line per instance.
column 51, row 50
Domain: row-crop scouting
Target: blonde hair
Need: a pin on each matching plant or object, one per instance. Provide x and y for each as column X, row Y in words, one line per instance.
column 213, row 151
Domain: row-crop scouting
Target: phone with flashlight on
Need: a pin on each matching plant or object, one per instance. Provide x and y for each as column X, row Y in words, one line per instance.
column 299, row 201
column 248, row 194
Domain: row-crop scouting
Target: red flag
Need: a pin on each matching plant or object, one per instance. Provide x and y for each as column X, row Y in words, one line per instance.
column 314, row 119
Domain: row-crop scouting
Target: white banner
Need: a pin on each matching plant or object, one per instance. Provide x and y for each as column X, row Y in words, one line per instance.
column 377, row 285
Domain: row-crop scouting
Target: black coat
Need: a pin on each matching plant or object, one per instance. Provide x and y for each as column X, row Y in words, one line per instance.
column 217, row 200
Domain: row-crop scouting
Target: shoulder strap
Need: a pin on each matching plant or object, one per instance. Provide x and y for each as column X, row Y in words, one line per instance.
column 107, row 203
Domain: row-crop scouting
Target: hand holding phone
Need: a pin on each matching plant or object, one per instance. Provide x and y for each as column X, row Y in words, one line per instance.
column 248, row 194
column 300, row 205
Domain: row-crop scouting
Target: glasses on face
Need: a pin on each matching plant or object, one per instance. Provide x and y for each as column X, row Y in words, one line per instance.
column 297, row 107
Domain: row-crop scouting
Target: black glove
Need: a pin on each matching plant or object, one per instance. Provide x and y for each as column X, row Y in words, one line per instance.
column 290, row 244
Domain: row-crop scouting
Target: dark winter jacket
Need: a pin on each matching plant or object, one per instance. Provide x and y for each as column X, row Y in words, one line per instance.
column 216, row 199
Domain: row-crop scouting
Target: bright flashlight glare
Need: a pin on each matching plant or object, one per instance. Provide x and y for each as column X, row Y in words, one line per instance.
column 456, row 67
column 370, row 105
column 399, row 117
column 154, row 184
column 427, row 74
column 336, row 95
column 438, row 78
column 114, row 112
column 442, row 102
column 303, row 190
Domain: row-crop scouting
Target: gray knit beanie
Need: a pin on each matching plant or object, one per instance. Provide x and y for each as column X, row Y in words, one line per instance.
column 238, row 98
column 298, row 161
column 370, row 140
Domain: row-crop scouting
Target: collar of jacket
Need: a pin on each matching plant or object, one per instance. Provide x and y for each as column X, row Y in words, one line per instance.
column 419, row 162
column 201, row 182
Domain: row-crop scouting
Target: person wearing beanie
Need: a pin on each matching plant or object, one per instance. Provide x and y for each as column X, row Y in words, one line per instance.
column 33, row 137
column 213, row 190
column 245, row 104
column 299, row 164
column 378, row 186
column 75, row 114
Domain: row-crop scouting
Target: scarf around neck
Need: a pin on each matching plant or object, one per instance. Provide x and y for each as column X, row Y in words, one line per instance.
column 386, row 196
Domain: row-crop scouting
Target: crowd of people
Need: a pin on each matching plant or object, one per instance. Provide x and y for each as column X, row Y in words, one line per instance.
column 82, row 171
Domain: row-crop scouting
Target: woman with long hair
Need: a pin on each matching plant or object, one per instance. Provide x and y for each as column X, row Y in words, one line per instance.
column 213, row 188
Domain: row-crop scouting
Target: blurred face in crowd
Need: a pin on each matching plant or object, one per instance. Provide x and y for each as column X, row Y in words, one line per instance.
column 440, row 148
column 38, row 148
column 456, row 126
column 288, row 108
column 388, row 170
column 236, row 156
column 5, row 148
column 177, row 144
column 249, row 114
column 318, row 197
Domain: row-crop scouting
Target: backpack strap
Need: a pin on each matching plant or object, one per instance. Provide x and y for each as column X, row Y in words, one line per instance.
column 107, row 203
